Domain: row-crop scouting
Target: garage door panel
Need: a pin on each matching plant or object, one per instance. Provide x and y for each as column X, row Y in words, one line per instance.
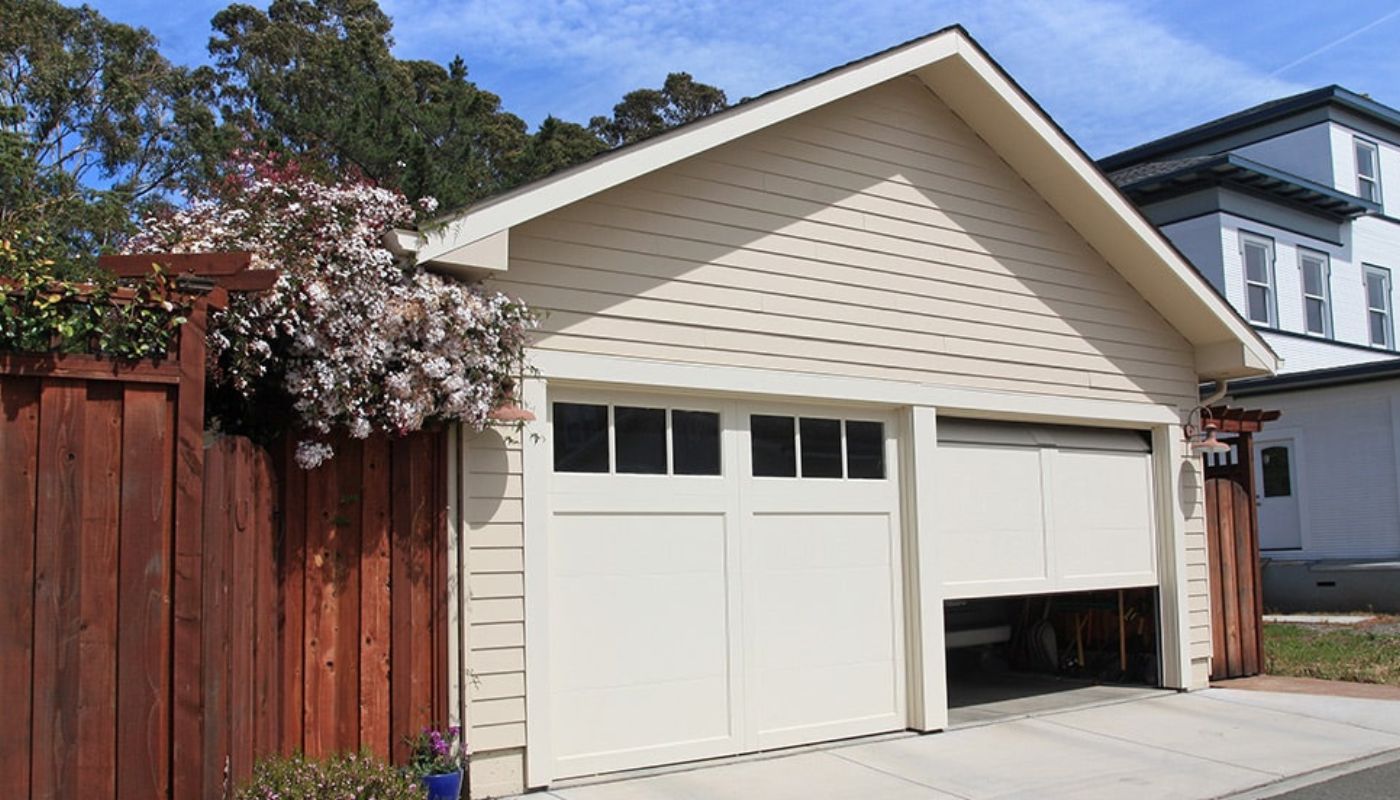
column 639, row 614
column 798, row 705
column 991, row 516
column 1103, row 506
column 1027, row 508
column 821, row 618
column 694, row 616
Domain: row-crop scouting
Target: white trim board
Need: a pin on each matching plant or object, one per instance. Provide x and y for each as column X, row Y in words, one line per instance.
column 618, row 371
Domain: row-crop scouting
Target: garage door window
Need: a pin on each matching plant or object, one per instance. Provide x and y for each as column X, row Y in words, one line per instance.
column 695, row 441
column 825, row 448
column 774, row 446
column 865, row 450
column 639, row 441
column 821, row 448
column 580, row 437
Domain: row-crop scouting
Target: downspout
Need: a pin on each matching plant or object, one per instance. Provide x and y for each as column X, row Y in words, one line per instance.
column 1222, row 388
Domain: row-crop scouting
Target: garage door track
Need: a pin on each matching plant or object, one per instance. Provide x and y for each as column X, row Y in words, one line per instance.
column 1207, row 744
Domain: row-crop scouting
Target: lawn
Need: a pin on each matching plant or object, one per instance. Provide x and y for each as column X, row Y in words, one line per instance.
column 1365, row 653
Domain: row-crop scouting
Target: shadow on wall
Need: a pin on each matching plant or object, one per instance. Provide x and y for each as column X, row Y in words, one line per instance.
column 877, row 237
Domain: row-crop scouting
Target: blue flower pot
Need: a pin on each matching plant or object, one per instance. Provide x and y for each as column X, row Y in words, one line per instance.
column 447, row 786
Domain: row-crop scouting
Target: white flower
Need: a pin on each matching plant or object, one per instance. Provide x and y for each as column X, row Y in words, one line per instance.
column 357, row 341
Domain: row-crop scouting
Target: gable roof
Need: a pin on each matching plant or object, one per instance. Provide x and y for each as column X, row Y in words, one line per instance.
column 977, row 89
column 1252, row 117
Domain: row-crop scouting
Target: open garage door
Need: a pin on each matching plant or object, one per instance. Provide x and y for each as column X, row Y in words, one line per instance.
column 1035, row 509
column 724, row 577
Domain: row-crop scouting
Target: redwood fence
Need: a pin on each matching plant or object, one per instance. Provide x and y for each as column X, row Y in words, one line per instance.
column 174, row 605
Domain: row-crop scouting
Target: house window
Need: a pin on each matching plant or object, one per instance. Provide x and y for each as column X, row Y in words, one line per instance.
column 1317, row 310
column 1368, row 171
column 1278, row 476
column 1258, row 255
column 1378, row 319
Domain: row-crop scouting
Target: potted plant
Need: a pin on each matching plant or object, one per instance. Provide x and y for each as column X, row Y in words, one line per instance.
column 439, row 759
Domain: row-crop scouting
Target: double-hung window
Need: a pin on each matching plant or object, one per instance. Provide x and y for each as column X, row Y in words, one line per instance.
column 1317, row 306
column 1368, row 171
column 1258, row 255
column 1378, row 310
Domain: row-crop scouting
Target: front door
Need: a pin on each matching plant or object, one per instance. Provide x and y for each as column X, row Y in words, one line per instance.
column 1280, row 523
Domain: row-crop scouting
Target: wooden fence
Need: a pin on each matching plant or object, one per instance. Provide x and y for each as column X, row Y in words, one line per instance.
column 171, row 609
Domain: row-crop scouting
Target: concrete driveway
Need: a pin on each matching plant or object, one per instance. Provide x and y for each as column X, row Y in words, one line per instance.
column 1206, row 744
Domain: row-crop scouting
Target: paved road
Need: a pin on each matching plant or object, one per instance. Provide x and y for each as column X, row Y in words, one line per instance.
column 1377, row 783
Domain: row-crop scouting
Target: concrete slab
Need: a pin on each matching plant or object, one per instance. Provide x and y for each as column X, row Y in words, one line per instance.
column 1240, row 734
column 1368, row 713
column 798, row 777
column 998, row 697
column 1201, row 745
column 1036, row 759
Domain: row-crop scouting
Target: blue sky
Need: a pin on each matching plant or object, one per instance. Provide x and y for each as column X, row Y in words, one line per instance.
column 1113, row 73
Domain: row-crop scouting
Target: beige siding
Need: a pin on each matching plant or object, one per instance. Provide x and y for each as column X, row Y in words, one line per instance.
column 1197, row 575
column 877, row 237
column 495, row 611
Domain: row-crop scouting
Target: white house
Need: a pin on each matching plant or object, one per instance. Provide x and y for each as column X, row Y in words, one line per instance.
column 1284, row 207
column 811, row 368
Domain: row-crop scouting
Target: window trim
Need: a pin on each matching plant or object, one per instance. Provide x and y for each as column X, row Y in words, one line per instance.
column 1325, row 261
column 1359, row 144
column 1246, row 239
column 1367, row 270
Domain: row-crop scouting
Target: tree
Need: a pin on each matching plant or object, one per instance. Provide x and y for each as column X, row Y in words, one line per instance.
column 94, row 124
column 316, row 79
column 554, row 146
column 644, row 113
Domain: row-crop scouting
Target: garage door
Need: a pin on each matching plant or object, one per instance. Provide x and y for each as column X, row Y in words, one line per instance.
column 1026, row 509
column 724, row 578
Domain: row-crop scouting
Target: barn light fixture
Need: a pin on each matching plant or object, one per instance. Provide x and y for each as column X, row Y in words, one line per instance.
column 1209, row 443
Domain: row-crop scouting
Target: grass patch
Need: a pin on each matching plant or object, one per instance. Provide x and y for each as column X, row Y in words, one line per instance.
column 1369, row 654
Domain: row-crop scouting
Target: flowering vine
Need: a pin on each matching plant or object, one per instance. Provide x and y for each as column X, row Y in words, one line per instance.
column 349, row 337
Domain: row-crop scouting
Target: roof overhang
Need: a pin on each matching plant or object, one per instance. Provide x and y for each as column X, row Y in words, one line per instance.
column 963, row 76
column 1231, row 170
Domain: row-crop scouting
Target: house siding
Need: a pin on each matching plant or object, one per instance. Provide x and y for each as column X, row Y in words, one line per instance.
column 877, row 237
column 492, row 516
column 1347, row 468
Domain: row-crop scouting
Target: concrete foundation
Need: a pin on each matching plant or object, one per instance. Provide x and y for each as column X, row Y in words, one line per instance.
column 1331, row 585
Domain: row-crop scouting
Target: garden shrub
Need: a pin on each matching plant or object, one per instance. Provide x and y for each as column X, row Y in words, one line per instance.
column 340, row 777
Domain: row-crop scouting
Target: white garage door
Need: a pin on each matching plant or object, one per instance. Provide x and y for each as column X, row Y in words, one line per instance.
column 1027, row 509
column 724, row 577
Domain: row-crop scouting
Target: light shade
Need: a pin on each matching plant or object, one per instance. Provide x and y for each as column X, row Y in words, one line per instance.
column 510, row 412
column 1210, row 444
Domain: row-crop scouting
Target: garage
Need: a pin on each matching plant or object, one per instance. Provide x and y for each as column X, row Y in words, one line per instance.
column 1048, row 542
column 724, row 577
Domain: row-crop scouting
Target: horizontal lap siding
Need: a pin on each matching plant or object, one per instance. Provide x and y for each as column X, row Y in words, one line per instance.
column 878, row 237
column 1196, row 575
column 492, row 515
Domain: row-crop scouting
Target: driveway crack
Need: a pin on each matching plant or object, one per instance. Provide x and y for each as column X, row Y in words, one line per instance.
column 1171, row 750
